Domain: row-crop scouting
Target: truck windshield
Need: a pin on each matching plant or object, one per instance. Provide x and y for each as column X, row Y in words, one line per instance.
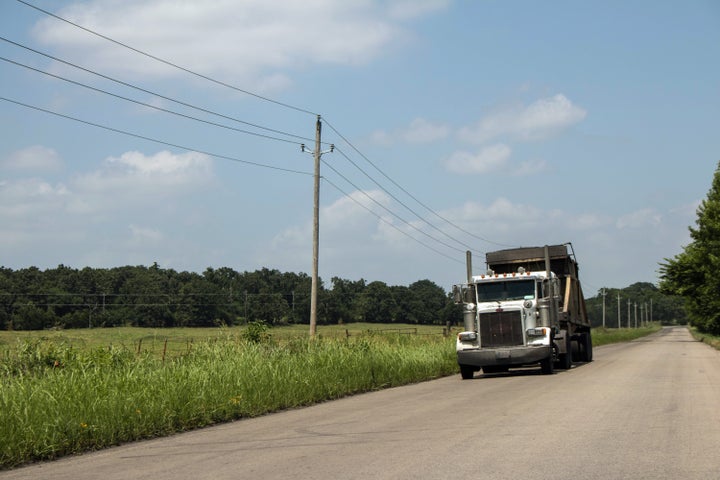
column 515, row 290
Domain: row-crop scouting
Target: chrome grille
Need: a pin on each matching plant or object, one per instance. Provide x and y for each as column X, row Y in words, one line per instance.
column 501, row 329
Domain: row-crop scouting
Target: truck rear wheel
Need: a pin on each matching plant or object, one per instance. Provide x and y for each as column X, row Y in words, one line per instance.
column 467, row 372
column 565, row 359
column 587, row 350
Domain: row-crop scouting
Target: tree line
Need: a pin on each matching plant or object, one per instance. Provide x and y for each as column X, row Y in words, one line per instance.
column 63, row 297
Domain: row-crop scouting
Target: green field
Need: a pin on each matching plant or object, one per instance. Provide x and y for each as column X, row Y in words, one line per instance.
column 178, row 341
column 66, row 392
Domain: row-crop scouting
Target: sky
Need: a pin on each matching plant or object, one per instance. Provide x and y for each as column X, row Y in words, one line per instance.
column 457, row 125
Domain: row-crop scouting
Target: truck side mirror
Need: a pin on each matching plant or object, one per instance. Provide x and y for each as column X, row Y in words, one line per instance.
column 457, row 294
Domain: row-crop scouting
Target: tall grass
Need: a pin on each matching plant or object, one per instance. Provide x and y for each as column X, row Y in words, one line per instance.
column 56, row 400
column 604, row 336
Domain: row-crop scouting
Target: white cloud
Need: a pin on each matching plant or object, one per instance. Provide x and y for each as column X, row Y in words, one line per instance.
column 84, row 219
column 407, row 9
column 30, row 197
column 144, row 236
column 530, row 167
column 639, row 218
column 538, row 120
column 136, row 173
column 34, row 158
column 253, row 42
column 419, row 131
column 488, row 159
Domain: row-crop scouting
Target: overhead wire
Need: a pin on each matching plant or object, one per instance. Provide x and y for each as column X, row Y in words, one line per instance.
column 221, row 83
column 154, row 140
column 478, row 237
column 388, row 210
column 401, row 202
column 166, row 62
column 150, row 92
column 155, row 107
column 325, row 179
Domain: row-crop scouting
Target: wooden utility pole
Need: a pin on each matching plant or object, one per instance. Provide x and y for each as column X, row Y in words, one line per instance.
column 316, row 225
column 316, row 230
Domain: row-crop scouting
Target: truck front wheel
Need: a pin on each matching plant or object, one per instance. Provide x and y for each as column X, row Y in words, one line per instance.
column 547, row 365
column 565, row 359
column 466, row 372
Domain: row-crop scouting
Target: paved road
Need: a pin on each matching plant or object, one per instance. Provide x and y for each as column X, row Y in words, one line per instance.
column 649, row 409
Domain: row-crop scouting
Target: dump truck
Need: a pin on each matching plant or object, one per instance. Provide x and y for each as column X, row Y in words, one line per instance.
column 526, row 309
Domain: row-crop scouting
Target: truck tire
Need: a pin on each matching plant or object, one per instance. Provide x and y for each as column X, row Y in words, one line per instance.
column 547, row 366
column 565, row 359
column 467, row 372
column 587, row 350
column 577, row 348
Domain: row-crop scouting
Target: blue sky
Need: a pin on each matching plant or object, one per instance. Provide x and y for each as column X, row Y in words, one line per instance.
column 479, row 125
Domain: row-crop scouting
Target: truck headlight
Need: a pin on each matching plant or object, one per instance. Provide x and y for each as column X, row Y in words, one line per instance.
column 467, row 336
column 537, row 332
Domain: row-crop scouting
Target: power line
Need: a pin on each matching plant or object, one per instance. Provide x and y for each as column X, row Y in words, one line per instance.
column 390, row 224
column 154, row 140
column 401, row 203
column 166, row 62
column 112, row 129
column 408, row 193
column 390, row 212
column 150, row 92
column 155, row 107
column 205, row 77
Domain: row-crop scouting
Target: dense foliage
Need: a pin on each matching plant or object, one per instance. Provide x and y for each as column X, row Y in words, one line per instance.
column 692, row 274
column 63, row 297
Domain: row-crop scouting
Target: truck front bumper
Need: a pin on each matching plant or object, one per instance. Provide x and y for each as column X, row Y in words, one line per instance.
column 510, row 356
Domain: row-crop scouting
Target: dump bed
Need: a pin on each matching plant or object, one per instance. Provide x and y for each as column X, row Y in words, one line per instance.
column 532, row 259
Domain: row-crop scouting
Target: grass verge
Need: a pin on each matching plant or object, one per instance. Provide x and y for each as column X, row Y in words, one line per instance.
column 58, row 400
column 712, row 340
column 604, row 336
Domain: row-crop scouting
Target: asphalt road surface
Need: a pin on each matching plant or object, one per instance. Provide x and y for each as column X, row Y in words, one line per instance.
column 649, row 409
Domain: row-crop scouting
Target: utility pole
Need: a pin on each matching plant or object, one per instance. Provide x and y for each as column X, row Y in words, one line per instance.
column 316, row 224
column 619, row 323
column 603, row 294
column 629, row 318
column 635, row 314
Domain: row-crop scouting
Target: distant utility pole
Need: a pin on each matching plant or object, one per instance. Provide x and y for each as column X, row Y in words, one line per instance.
column 619, row 324
column 316, row 225
column 635, row 314
column 603, row 294
column 629, row 318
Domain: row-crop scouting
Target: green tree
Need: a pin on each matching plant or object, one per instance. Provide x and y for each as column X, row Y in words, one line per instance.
column 692, row 274
column 342, row 302
column 377, row 304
